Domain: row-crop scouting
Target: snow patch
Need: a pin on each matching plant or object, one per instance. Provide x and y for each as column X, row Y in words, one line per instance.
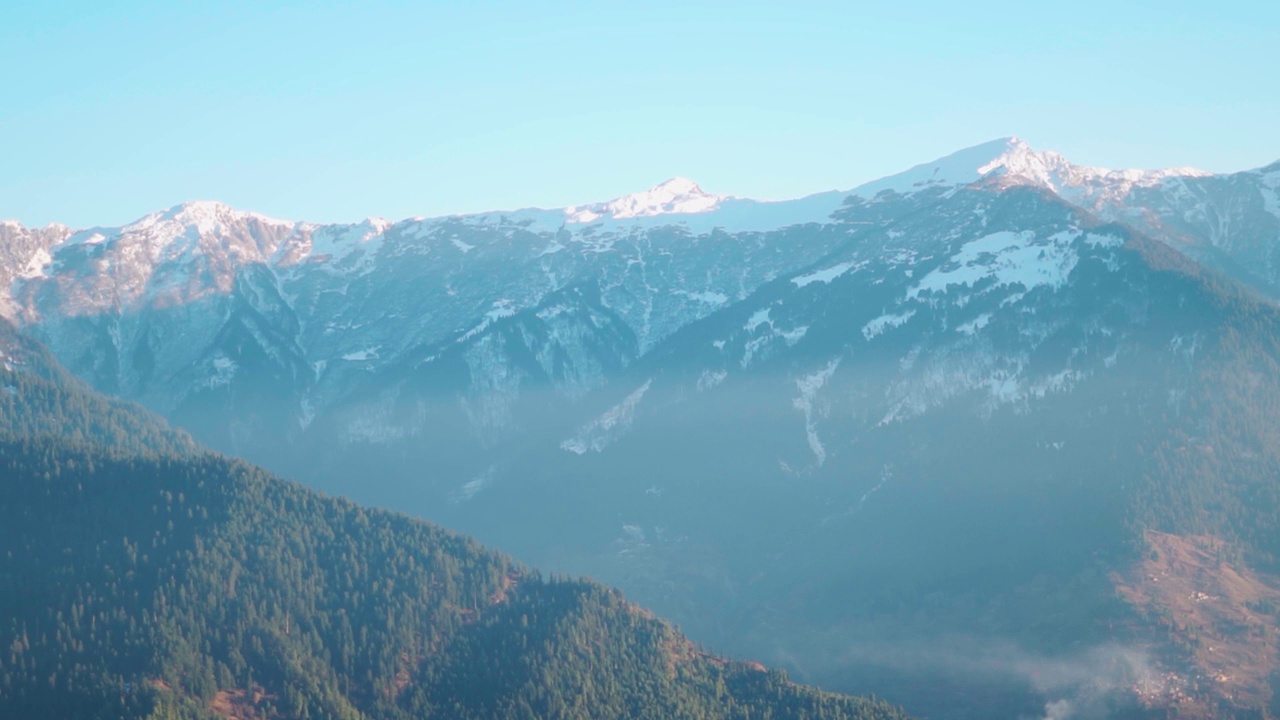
column 885, row 322
column 224, row 370
column 974, row 325
column 884, row 478
column 1008, row 258
column 473, row 487
column 826, row 275
column 501, row 308
column 809, row 385
column 611, row 425
column 37, row 265
column 709, row 379
column 793, row 336
column 337, row 243
column 675, row 196
column 757, row 319
column 1094, row 240
column 707, row 297
column 369, row 353
column 1271, row 194
column 306, row 413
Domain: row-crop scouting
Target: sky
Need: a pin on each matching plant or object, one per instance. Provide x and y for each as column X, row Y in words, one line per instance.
column 333, row 111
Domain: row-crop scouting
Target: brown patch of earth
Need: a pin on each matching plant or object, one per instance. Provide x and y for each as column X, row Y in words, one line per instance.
column 1219, row 616
column 238, row 704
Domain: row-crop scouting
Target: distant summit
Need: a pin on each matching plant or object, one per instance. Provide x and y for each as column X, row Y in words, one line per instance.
column 1015, row 160
column 675, row 196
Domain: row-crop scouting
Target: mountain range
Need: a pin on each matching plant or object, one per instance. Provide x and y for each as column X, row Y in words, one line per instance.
column 968, row 435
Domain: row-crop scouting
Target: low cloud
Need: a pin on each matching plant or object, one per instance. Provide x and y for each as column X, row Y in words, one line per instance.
column 1083, row 684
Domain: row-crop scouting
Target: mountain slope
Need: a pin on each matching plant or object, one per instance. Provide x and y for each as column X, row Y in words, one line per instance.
column 40, row 401
column 135, row 582
column 969, row 425
column 201, row 587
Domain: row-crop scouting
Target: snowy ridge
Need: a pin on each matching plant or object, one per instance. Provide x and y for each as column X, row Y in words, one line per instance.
column 204, row 215
column 359, row 298
column 224, row 239
column 1013, row 160
column 675, row 196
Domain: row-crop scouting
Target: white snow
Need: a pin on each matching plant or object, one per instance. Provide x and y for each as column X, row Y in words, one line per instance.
column 207, row 216
column 959, row 168
column 1014, row 160
column 501, row 308
column 472, row 487
column 885, row 322
column 1008, row 258
column 37, row 265
column 761, row 317
column 224, row 370
column 613, row 423
column 370, row 353
column 677, row 196
column 1271, row 193
column 709, row 379
column 884, row 478
column 793, row 336
column 553, row 311
column 678, row 202
column 757, row 319
column 708, row 297
column 87, row 237
column 336, row 242
column 306, row 412
column 809, row 385
column 825, row 275
column 1095, row 240
column 974, row 325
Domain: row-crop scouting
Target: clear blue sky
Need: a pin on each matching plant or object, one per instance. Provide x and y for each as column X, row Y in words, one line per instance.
column 333, row 111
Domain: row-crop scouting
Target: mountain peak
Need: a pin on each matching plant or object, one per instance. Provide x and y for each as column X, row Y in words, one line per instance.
column 204, row 215
column 677, row 185
column 674, row 196
column 1017, row 162
column 198, row 206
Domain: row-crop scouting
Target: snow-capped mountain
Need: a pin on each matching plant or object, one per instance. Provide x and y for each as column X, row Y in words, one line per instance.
column 712, row 401
column 1230, row 222
column 236, row 322
column 677, row 196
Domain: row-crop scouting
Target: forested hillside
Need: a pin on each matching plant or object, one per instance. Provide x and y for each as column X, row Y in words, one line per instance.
column 139, row 583
column 41, row 400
